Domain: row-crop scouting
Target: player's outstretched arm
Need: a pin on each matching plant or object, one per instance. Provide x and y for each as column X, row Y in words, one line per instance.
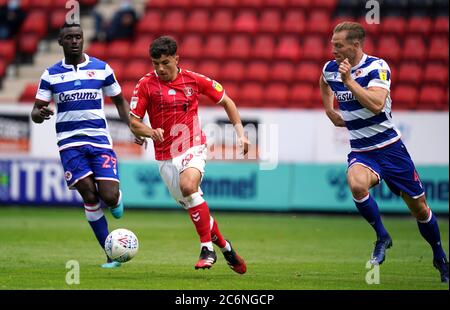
column 234, row 117
column 328, row 103
column 41, row 111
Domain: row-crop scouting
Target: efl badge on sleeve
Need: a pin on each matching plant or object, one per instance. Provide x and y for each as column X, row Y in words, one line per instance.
column 217, row 86
column 383, row 74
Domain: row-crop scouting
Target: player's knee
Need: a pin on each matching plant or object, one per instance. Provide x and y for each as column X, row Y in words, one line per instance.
column 187, row 188
column 358, row 191
column 111, row 198
column 89, row 197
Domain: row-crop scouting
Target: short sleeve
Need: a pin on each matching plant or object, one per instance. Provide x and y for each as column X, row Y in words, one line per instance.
column 44, row 91
column 139, row 100
column 324, row 75
column 380, row 75
column 210, row 88
column 111, row 87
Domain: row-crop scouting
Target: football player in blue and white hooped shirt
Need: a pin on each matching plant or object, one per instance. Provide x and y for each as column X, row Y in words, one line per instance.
column 361, row 85
column 77, row 85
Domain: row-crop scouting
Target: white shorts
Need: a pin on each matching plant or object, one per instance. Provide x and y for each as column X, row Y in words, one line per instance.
column 171, row 169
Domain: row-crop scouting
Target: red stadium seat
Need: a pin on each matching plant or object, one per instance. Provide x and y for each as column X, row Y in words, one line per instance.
column 314, row 49
column 198, row 21
column 438, row 49
column 29, row 93
column 150, row 23
column 188, row 64
column 372, row 30
column 173, row 22
column 128, row 89
column 252, row 4
column 436, row 74
column 3, row 66
column 263, row 48
column 215, row 47
column 275, row 4
column 239, row 47
column 393, row 25
column 135, row 70
column 301, row 96
column 98, row 50
column 157, row 4
column 277, row 94
column 35, row 23
column 410, row 73
column 139, row 49
column 270, row 21
column 191, row 46
column 419, row 25
column 294, row 22
column 28, row 44
column 414, row 49
column 246, row 22
column 433, row 97
column 308, row 72
column 258, row 71
column 440, row 26
column 316, row 99
column 282, row 72
column 210, row 68
column 319, row 23
column 232, row 4
column 222, row 21
column 233, row 71
column 57, row 19
column 118, row 67
column 404, row 97
column 7, row 50
column 304, row 4
column 328, row 5
column 233, row 91
column 118, row 50
column 368, row 46
column 288, row 48
column 252, row 94
column 389, row 49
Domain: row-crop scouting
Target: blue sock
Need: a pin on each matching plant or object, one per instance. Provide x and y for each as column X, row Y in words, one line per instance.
column 368, row 208
column 430, row 232
column 97, row 220
column 100, row 228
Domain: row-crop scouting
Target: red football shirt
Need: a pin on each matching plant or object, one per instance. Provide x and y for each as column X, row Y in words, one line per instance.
column 173, row 106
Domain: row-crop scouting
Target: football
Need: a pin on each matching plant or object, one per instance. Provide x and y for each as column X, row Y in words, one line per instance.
column 121, row 245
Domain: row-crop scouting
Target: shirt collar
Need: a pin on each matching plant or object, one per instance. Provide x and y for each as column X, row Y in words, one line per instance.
column 363, row 60
column 84, row 63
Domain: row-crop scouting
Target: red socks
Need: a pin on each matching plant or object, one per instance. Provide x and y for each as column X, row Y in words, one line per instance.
column 200, row 217
column 216, row 236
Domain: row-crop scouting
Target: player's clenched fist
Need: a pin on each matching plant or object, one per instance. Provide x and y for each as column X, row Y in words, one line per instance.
column 157, row 134
column 45, row 112
column 345, row 69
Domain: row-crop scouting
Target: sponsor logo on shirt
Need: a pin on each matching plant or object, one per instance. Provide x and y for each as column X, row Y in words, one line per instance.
column 383, row 74
column 217, row 86
column 344, row 96
column 172, row 92
column 77, row 96
column 188, row 91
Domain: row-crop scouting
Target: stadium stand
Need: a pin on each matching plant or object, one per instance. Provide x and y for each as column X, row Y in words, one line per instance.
column 274, row 47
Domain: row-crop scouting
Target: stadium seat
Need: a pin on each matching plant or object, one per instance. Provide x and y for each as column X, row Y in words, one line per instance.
column 198, row 21
column 389, row 49
column 252, row 94
column 98, row 50
column 149, row 24
column 300, row 96
column 233, row 91
column 231, row 4
column 433, row 97
column 282, row 72
column 28, row 44
column 314, row 49
column 211, row 69
column 127, row 89
column 270, row 21
column 188, row 64
column 215, row 47
column 414, row 49
column 118, row 50
column 328, row 5
column 156, row 4
column 404, row 97
column 246, row 22
column 29, row 93
column 258, row 71
column 308, row 72
column 118, row 67
column 436, row 74
column 135, row 70
column 250, row 4
column 139, row 49
column 191, row 46
column 233, row 71
column 276, row 4
column 438, row 49
column 393, row 25
column 440, row 26
column 35, row 23
column 319, row 23
column 304, row 4
column 173, row 22
column 277, row 94
column 419, row 25
column 239, row 47
column 369, row 46
column 294, row 22
column 372, row 30
column 57, row 19
column 3, row 66
column 263, row 48
column 288, row 48
column 316, row 98
column 221, row 21
column 410, row 73
column 7, row 50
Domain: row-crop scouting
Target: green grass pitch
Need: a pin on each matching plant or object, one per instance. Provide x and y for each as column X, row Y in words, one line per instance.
column 283, row 251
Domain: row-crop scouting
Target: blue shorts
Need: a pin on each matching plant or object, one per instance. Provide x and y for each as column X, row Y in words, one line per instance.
column 82, row 161
column 394, row 165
